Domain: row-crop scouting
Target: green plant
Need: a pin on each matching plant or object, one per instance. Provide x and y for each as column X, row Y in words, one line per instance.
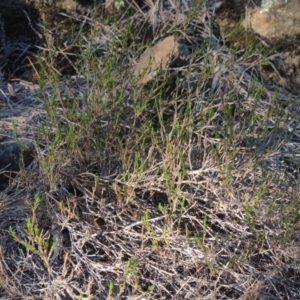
column 33, row 238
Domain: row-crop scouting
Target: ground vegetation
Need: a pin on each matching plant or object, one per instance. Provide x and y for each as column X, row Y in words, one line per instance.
column 185, row 187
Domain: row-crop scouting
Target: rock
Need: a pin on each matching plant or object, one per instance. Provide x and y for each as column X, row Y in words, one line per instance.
column 155, row 58
column 267, row 4
column 276, row 22
column 10, row 154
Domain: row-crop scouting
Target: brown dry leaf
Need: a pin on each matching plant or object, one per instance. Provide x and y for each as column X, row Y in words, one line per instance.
column 155, row 57
column 11, row 90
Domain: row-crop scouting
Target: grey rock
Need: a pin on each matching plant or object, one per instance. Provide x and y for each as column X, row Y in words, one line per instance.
column 267, row 4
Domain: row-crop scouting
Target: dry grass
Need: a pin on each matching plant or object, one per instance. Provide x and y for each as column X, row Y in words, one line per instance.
column 186, row 188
